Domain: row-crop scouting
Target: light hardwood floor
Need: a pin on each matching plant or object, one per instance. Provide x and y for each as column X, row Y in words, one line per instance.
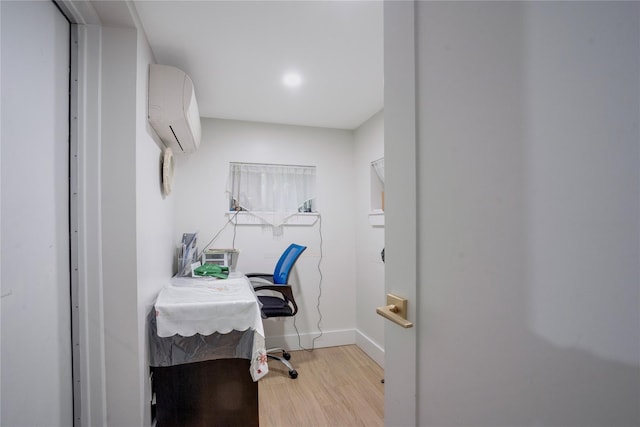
column 336, row 386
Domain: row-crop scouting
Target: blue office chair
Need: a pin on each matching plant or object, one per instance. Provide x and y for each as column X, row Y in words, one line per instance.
column 278, row 301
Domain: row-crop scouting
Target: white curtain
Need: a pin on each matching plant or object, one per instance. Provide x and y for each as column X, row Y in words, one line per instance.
column 271, row 192
column 378, row 166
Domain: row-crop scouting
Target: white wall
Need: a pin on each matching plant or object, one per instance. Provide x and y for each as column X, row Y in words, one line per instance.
column 138, row 224
column 201, row 204
column 119, row 242
column 155, row 220
column 369, row 146
column 528, row 200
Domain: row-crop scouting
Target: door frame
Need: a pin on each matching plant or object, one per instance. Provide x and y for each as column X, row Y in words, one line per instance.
column 89, row 383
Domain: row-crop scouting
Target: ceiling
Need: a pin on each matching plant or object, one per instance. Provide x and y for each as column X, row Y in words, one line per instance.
column 236, row 53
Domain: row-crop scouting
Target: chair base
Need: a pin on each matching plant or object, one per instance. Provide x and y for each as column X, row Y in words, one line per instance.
column 284, row 360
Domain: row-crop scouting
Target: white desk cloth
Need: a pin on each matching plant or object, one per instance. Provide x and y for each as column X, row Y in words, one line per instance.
column 208, row 307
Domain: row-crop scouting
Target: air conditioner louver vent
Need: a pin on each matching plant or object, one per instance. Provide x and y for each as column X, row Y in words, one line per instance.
column 173, row 110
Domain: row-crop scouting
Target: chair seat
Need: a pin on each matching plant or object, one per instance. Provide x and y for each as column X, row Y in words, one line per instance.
column 274, row 306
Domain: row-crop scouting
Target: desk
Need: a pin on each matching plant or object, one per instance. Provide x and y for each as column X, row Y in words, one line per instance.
column 204, row 334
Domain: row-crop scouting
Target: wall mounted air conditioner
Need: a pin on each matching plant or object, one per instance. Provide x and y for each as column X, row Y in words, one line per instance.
column 173, row 110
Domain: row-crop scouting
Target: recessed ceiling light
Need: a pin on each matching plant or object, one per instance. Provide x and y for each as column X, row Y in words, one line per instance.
column 292, row 79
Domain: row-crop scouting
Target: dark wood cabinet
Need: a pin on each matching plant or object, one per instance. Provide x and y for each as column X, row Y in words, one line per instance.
column 206, row 394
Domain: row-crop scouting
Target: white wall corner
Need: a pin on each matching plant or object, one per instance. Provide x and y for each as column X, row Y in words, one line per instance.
column 373, row 350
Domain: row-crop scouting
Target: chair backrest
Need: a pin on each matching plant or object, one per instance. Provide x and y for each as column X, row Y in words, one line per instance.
column 286, row 262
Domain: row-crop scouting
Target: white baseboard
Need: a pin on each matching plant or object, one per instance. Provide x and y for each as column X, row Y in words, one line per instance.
column 372, row 349
column 306, row 341
column 328, row 339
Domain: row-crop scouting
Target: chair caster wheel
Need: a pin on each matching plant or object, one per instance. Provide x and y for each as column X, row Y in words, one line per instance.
column 293, row 374
column 286, row 355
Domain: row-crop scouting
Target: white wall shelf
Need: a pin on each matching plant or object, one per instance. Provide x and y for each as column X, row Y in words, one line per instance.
column 376, row 218
column 255, row 218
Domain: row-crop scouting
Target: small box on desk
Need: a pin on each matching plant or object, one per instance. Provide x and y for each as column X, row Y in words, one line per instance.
column 222, row 257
